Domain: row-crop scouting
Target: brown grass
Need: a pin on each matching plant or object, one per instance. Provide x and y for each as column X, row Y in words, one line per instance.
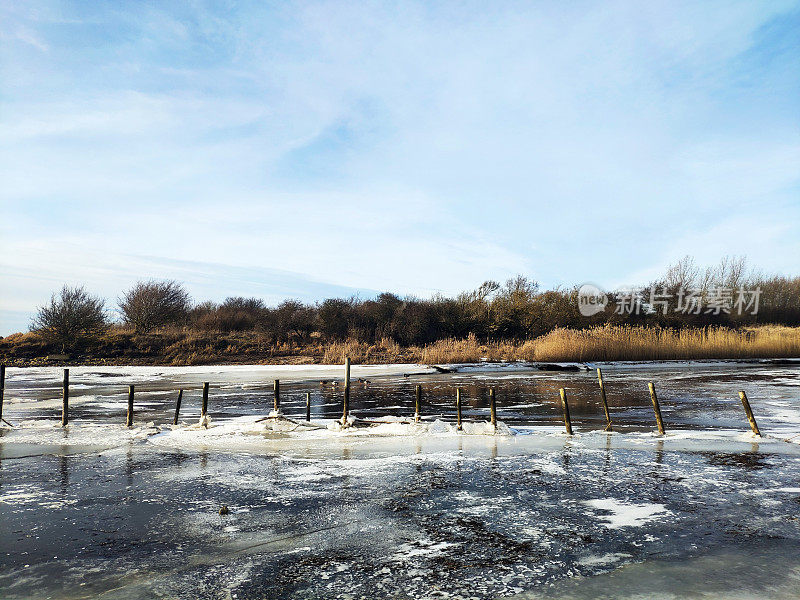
column 186, row 347
column 648, row 343
column 384, row 351
column 453, row 350
column 625, row 343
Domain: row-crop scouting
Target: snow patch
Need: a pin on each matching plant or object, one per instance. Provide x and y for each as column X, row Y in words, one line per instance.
column 618, row 514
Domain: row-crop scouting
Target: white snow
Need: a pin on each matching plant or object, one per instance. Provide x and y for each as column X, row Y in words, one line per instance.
column 616, row 513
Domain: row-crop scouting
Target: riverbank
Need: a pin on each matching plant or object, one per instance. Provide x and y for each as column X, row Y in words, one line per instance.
column 182, row 346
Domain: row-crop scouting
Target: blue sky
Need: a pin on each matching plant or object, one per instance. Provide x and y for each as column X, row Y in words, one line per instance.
column 314, row 149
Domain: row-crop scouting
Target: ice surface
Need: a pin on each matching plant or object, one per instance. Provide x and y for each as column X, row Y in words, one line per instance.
column 389, row 508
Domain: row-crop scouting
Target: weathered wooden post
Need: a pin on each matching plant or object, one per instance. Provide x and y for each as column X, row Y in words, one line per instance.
column 492, row 408
column 418, row 403
column 346, row 402
column 178, row 407
column 2, row 389
column 656, row 408
column 204, row 410
column 458, row 409
column 65, row 400
column 603, row 398
column 129, row 420
column 749, row 412
column 565, row 408
column 308, row 406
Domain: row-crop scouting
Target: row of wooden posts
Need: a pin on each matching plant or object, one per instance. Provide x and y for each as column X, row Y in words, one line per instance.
column 656, row 408
column 346, row 403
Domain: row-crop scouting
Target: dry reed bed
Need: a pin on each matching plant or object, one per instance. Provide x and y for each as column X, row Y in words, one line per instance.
column 626, row 343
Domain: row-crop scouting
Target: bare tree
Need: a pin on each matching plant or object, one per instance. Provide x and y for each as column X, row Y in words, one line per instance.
column 151, row 304
column 71, row 313
column 485, row 291
column 682, row 274
column 732, row 271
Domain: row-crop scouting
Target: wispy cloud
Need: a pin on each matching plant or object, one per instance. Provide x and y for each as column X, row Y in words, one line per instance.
column 418, row 147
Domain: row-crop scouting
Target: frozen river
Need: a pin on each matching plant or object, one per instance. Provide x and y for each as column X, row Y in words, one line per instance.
column 402, row 510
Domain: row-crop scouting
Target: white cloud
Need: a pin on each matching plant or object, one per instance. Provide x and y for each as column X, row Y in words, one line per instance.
column 412, row 147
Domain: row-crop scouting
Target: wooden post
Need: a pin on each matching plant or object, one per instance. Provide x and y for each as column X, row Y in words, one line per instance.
column 178, row 407
column 276, row 393
column 308, row 406
column 204, row 410
column 65, row 400
column 749, row 412
column 346, row 402
column 565, row 408
column 418, row 403
column 492, row 408
column 656, row 408
column 603, row 398
column 458, row 409
column 129, row 420
column 2, row 389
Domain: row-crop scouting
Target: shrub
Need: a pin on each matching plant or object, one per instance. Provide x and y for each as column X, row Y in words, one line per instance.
column 151, row 304
column 292, row 320
column 241, row 314
column 513, row 308
column 70, row 315
column 334, row 315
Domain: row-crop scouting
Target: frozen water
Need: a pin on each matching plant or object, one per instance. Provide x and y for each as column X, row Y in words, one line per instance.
column 389, row 508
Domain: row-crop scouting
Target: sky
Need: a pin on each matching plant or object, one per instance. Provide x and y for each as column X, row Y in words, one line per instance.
column 315, row 149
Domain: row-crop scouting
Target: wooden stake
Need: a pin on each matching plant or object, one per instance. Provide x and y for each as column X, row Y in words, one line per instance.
column 2, row 389
column 308, row 406
column 129, row 420
column 492, row 408
column 276, row 392
column 178, row 407
column 656, row 408
column 603, row 398
column 65, row 400
column 204, row 410
column 565, row 408
column 346, row 402
column 418, row 403
column 749, row 412
column 458, row 409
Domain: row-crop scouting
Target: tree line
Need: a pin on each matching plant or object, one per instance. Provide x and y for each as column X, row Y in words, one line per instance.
column 517, row 309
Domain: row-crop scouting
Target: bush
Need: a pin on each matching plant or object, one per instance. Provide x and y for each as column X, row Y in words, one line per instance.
column 70, row 315
column 334, row 316
column 241, row 314
column 513, row 308
column 151, row 304
column 415, row 323
column 292, row 320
